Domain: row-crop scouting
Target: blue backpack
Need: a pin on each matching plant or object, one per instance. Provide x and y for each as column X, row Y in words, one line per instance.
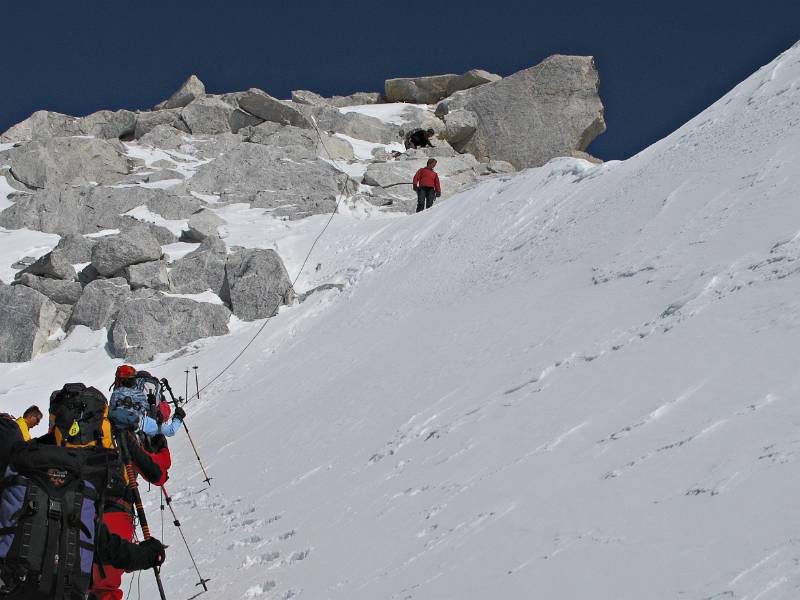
column 127, row 407
column 47, row 518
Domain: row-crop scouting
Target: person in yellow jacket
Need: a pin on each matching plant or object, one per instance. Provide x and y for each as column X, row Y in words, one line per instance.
column 29, row 419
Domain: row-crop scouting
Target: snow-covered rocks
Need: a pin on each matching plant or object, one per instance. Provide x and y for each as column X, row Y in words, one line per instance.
column 533, row 115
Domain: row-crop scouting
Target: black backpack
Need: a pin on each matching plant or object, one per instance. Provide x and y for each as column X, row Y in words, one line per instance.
column 47, row 519
column 80, row 416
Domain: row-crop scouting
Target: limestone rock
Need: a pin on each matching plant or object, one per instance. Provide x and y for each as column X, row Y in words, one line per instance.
column 115, row 252
column 60, row 292
column 470, row 79
column 257, row 283
column 151, row 275
column 100, row 302
column 53, row 265
column 202, row 224
column 207, row 115
column 200, row 270
column 150, row 323
column 190, row 90
column 265, row 107
column 27, row 319
column 534, row 115
column 148, row 121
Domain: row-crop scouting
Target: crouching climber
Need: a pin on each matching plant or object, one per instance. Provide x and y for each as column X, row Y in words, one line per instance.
column 419, row 138
column 426, row 184
column 136, row 401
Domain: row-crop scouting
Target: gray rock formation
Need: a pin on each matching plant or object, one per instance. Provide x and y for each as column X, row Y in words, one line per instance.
column 53, row 265
column 357, row 99
column 202, row 224
column 108, row 124
column 190, row 90
column 75, row 248
column 534, row 115
column 200, row 270
column 207, row 115
column 257, row 283
column 150, row 323
column 148, row 121
column 151, row 275
column 113, row 253
column 100, row 302
column 353, row 124
column 73, row 161
column 60, row 292
column 240, row 119
column 460, row 126
column 307, row 97
column 265, row 107
column 419, row 90
column 43, row 125
column 470, row 79
column 455, row 174
column 27, row 320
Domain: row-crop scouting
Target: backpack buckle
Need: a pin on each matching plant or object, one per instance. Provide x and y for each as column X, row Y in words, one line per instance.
column 54, row 509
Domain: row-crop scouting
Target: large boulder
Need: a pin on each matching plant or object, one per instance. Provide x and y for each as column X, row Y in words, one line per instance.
column 148, row 121
column 200, row 270
column 296, row 143
column 27, row 320
column 207, row 115
column 470, row 79
column 460, row 126
column 190, row 90
column 357, row 99
column 108, row 124
column 353, row 124
column 257, row 283
column 60, row 292
column 40, row 125
column 113, row 253
column 265, row 107
column 534, row 115
column 455, row 174
column 202, row 224
column 419, row 90
column 75, row 248
column 53, row 265
column 152, row 274
column 100, row 302
column 72, row 161
column 149, row 323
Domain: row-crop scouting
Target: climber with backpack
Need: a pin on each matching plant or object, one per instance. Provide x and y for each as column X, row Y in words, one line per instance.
column 419, row 138
column 51, row 504
column 136, row 402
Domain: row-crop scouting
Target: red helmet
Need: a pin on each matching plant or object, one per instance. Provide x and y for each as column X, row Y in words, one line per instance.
column 124, row 373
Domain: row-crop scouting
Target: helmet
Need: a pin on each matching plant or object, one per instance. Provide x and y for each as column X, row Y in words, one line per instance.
column 124, row 376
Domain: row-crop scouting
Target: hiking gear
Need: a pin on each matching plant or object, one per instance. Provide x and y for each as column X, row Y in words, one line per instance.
column 196, row 384
column 127, row 407
column 155, row 553
column 167, row 387
column 107, row 578
column 418, row 138
column 427, row 177
column 122, row 441
column 164, row 412
column 180, row 413
column 80, row 416
column 23, row 428
column 438, row 194
column 123, row 375
column 47, row 518
column 9, row 435
column 166, row 497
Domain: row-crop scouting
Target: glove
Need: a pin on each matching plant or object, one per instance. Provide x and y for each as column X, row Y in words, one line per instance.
column 179, row 413
column 153, row 552
column 438, row 194
column 416, row 189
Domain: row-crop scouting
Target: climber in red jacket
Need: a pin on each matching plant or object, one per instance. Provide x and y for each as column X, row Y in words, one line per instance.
column 426, row 184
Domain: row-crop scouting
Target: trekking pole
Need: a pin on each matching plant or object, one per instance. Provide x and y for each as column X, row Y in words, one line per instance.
column 175, row 403
column 137, row 499
column 196, row 384
column 177, row 524
column 186, row 384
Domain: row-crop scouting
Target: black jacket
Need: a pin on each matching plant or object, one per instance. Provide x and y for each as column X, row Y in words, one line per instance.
column 419, row 138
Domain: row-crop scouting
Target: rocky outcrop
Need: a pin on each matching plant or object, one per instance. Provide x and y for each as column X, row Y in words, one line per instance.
column 73, row 161
column 149, row 323
column 357, row 99
column 534, row 115
column 202, row 224
column 264, row 106
column 455, row 173
column 432, row 89
column 147, row 121
column 152, row 274
column 27, row 319
column 200, row 270
column 53, row 265
column 353, row 124
column 257, row 282
column 207, row 115
column 99, row 304
column 59, row 291
column 190, row 90
column 75, row 248
column 115, row 252
column 43, row 125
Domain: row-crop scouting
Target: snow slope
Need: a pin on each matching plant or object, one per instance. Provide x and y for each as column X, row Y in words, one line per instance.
column 576, row 382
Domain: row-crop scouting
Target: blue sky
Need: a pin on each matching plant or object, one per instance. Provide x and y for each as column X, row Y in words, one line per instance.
column 660, row 63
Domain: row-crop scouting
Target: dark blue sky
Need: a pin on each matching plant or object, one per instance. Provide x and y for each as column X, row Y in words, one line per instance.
column 660, row 63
